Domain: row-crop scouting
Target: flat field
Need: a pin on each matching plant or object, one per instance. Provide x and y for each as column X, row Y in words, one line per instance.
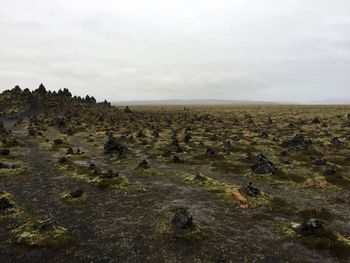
column 201, row 158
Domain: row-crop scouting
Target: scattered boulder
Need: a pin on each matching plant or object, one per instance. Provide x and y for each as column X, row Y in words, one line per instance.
column 187, row 138
column 166, row 153
column 62, row 160
column 127, row 110
column 336, row 141
column 312, row 227
column 32, row 131
column 144, row 165
column 113, row 146
column 284, row 153
column 264, row 135
column 140, row 134
column 76, row 193
column 316, row 121
column 269, row 121
column 182, row 223
column 92, row 166
column 330, row 171
column 58, row 142
column 4, row 151
column 70, row 151
column 263, row 165
column 4, row 166
column 297, row 141
column 200, row 177
column 209, row 152
column 175, row 142
column 251, row 190
column 318, row 161
column 109, row 174
column 5, row 203
column 227, row 145
column 2, row 128
column 177, row 159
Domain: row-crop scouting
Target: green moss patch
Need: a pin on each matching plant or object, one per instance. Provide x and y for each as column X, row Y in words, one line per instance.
column 211, row 185
column 41, row 234
column 66, row 197
column 12, row 172
column 332, row 242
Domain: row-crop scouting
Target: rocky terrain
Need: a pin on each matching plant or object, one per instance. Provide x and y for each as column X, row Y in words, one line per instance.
column 82, row 181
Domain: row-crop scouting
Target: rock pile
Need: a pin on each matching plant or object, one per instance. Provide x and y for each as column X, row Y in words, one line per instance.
column 263, row 165
column 182, row 223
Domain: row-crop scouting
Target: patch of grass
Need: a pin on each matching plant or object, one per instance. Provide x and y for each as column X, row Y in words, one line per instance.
column 66, row 196
column 332, row 242
column 12, row 172
column 163, row 226
column 11, row 212
column 283, row 176
column 121, row 182
column 211, row 185
column 39, row 234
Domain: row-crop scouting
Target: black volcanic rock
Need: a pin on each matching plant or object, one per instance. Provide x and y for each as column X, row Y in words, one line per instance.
column 182, row 222
column 113, row 146
column 263, row 165
column 298, row 141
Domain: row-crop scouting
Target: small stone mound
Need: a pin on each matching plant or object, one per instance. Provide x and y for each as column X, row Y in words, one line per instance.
column 316, row 121
column 3, row 131
column 76, row 193
column 4, row 151
column 166, row 153
column 263, row 165
column 113, row 146
column 70, row 151
column 5, row 203
column 144, row 165
column 200, row 177
column 140, row 134
column 8, row 166
column 227, row 145
column 209, row 152
column 264, row 135
column 62, row 160
column 336, row 141
column 182, row 222
column 177, row 159
column 109, row 174
column 251, row 190
column 298, row 141
column 330, row 171
column 312, row 227
column 92, row 166
column 318, row 161
column 127, row 110
column 187, row 138
column 58, row 142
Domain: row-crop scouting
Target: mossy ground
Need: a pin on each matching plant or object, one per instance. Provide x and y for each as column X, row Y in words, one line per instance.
column 331, row 241
column 35, row 234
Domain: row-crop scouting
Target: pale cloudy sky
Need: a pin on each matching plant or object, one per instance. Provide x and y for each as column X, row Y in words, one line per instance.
column 271, row 50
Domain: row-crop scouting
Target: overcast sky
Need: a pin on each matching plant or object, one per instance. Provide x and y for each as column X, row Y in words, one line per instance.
column 271, row 50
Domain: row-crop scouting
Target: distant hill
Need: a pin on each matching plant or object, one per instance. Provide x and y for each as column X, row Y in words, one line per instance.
column 331, row 102
column 192, row 102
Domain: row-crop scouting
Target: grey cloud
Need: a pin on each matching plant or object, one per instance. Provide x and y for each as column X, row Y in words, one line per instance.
column 127, row 50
